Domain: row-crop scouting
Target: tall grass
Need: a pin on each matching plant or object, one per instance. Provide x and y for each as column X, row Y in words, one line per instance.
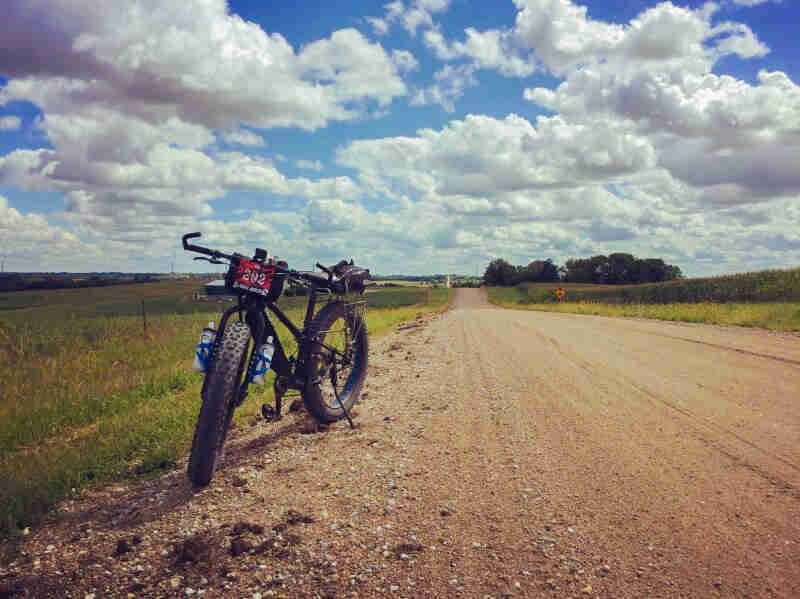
column 87, row 395
column 763, row 286
column 781, row 316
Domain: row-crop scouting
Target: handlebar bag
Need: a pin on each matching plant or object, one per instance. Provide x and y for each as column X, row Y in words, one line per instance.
column 351, row 278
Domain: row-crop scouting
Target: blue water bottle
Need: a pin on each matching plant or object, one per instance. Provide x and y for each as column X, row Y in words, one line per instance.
column 202, row 351
column 263, row 361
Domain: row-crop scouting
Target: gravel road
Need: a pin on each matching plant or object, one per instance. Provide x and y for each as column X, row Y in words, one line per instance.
column 498, row 453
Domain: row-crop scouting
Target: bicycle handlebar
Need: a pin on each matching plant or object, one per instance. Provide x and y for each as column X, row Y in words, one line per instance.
column 200, row 249
column 326, row 270
column 303, row 276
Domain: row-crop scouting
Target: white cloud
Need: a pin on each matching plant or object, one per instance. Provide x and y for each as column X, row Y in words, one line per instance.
column 450, row 85
column 709, row 130
column 28, row 169
column 29, row 241
column 158, row 60
column 334, row 215
column 333, row 187
column 404, row 60
column 561, row 188
column 132, row 95
column 380, row 26
column 243, row 137
column 417, row 14
column 491, row 49
column 559, row 35
column 563, row 37
column 351, row 68
column 313, row 165
column 753, row 2
column 239, row 171
column 154, row 62
column 732, row 141
column 483, row 156
column 560, row 32
column 10, row 123
column 740, row 40
column 650, row 150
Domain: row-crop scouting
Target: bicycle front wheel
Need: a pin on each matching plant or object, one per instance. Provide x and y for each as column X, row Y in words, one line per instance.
column 219, row 399
column 337, row 362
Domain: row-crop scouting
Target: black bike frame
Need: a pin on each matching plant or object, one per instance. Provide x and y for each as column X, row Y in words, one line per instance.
column 255, row 316
column 254, row 307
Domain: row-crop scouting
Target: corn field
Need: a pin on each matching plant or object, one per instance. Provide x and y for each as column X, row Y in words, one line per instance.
column 752, row 287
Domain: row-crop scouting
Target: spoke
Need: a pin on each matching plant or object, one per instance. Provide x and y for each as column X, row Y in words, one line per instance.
column 333, row 350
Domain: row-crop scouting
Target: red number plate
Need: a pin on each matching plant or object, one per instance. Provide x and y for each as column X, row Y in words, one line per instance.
column 254, row 277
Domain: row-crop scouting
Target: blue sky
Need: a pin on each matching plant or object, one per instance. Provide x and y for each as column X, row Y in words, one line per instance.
column 415, row 136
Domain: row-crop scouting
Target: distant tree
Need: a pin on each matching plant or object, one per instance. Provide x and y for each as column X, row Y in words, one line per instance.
column 672, row 273
column 615, row 269
column 599, row 268
column 12, row 282
column 587, row 270
column 650, row 270
column 654, row 270
column 540, row 271
column 620, row 269
column 576, row 270
column 500, row 272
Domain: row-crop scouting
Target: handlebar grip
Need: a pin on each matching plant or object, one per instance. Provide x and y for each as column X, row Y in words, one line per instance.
column 190, row 236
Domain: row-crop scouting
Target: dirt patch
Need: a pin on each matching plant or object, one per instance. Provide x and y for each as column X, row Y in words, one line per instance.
column 201, row 550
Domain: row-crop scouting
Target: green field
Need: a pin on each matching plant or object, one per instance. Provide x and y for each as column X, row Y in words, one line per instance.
column 750, row 287
column 768, row 299
column 87, row 395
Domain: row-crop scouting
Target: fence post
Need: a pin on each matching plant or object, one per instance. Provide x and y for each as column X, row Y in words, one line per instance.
column 144, row 318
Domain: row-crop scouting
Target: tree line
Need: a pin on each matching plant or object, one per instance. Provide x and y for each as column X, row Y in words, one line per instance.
column 614, row 269
column 18, row 282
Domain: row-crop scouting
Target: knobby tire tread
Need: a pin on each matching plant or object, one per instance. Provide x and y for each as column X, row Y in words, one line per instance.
column 219, row 395
column 312, row 395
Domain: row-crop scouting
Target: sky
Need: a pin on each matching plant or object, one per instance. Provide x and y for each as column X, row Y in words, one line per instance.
column 415, row 136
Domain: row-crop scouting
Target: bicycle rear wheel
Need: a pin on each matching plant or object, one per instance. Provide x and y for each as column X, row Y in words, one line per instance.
column 220, row 392
column 337, row 363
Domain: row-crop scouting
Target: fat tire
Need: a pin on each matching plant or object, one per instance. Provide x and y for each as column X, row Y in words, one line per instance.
column 312, row 394
column 220, row 390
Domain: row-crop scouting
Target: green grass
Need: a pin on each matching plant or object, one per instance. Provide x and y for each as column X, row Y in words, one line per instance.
column 395, row 297
column 86, row 396
column 780, row 316
column 750, row 287
column 166, row 297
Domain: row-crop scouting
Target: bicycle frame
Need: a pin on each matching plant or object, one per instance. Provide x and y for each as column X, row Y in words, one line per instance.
column 258, row 284
column 261, row 327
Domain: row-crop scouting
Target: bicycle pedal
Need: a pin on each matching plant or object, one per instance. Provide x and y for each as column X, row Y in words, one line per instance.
column 269, row 413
